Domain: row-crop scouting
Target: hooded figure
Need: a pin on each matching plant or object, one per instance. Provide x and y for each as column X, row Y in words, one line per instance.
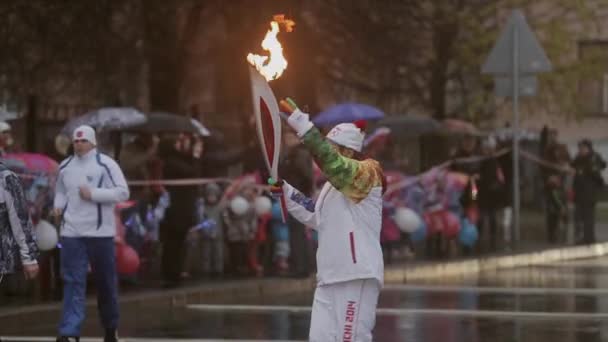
column 347, row 216
column 587, row 165
column 180, row 216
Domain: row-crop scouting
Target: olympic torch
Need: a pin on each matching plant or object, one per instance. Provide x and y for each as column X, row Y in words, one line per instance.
column 265, row 106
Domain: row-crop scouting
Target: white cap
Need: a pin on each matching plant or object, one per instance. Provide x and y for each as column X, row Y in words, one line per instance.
column 4, row 127
column 347, row 135
column 85, row 132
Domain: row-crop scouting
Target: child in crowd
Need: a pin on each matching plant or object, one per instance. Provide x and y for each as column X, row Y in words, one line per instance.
column 205, row 241
column 211, row 228
column 280, row 237
column 241, row 232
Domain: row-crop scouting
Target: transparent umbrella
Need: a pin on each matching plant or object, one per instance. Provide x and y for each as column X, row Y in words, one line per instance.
column 108, row 118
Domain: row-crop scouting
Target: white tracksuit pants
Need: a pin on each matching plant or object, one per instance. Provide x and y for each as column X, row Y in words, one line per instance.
column 344, row 312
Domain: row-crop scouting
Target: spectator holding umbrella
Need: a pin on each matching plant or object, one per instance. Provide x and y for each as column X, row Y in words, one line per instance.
column 554, row 181
column 587, row 165
column 491, row 192
column 180, row 216
column 460, row 163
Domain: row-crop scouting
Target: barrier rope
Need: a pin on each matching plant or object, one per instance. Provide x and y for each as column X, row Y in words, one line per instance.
column 395, row 187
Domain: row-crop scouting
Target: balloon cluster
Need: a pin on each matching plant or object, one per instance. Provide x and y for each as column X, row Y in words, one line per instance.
column 262, row 205
column 442, row 222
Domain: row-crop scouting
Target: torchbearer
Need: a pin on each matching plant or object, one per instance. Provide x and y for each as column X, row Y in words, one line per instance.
column 347, row 216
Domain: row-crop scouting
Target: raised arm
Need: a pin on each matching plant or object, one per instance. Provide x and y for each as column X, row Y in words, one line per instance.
column 352, row 177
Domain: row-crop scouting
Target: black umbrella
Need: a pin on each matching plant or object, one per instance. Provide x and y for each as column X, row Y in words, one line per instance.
column 411, row 125
column 162, row 122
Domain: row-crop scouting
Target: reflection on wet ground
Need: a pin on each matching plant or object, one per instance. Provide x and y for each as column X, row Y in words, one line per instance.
column 566, row 302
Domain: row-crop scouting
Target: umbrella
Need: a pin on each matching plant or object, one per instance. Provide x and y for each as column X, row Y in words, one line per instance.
column 14, row 165
column 410, row 124
column 202, row 130
column 110, row 118
column 31, row 162
column 460, row 127
column 347, row 112
column 393, row 177
column 158, row 122
column 379, row 136
column 507, row 134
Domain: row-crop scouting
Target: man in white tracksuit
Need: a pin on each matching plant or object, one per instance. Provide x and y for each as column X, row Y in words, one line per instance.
column 88, row 186
column 347, row 216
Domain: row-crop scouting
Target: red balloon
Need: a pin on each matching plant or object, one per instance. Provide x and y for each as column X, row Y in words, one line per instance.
column 442, row 222
column 452, row 224
column 472, row 213
column 127, row 260
column 434, row 222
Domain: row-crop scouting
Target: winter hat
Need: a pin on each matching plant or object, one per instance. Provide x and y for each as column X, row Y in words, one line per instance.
column 349, row 135
column 85, row 132
column 212, row 189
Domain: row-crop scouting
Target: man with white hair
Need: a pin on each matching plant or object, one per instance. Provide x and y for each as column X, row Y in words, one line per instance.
column 347, row 216
column 88, row 186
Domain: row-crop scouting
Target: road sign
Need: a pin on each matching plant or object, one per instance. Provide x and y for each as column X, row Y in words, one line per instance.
column 503, row 86
column 532, row 57
column 514, row 61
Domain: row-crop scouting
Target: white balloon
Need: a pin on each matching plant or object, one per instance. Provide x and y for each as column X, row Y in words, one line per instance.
column 46, row 236
column 407, row 220
column 262, row 205
column 239, row 205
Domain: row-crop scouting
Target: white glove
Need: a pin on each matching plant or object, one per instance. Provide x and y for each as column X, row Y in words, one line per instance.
column 300, row 122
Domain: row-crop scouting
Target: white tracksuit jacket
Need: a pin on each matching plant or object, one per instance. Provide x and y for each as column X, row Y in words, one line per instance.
column 347, row 214
column 94, row 218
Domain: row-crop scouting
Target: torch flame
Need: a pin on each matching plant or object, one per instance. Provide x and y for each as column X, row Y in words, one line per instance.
column 272, row 67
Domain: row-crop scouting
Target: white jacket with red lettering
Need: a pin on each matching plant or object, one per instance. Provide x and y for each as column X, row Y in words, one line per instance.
column 347, row 214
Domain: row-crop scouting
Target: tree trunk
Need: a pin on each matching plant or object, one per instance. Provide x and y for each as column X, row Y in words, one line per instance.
column 445, row 31
column 161, row 48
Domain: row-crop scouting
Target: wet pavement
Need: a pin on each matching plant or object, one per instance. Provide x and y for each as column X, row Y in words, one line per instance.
column 562, row 302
